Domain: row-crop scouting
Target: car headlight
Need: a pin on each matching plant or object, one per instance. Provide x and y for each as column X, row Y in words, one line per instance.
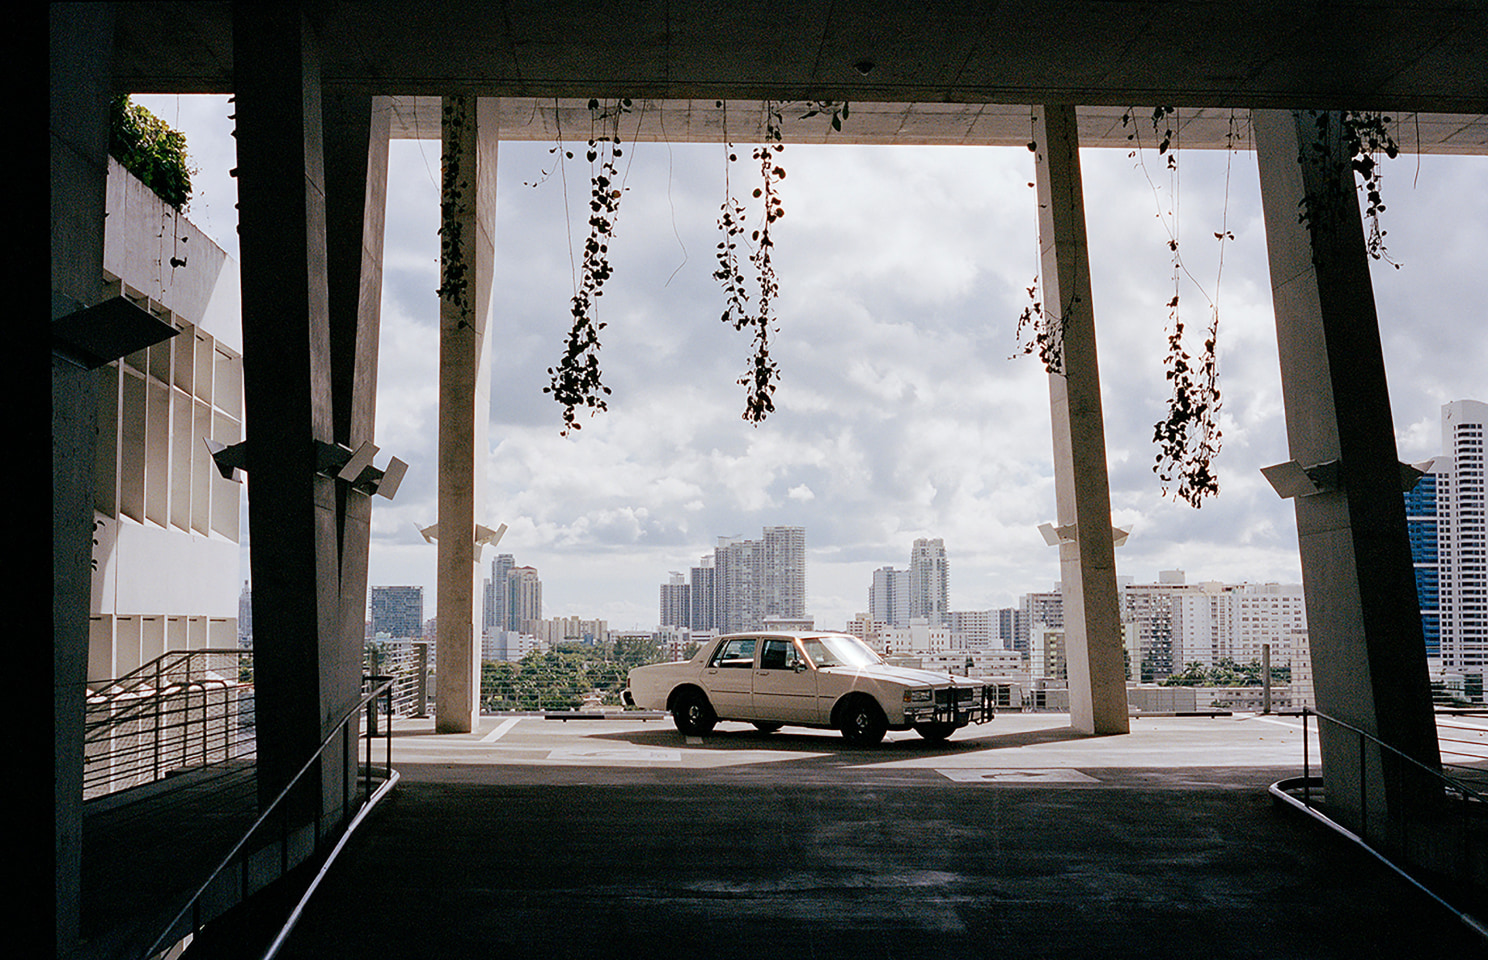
column 917, row 696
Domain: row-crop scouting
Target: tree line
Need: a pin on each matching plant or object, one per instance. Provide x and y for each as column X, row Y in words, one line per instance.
column 1226, row 673
column 560, row 678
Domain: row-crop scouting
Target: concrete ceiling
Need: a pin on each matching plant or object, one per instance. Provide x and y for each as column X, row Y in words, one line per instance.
column 941, row 124
column 931, row 71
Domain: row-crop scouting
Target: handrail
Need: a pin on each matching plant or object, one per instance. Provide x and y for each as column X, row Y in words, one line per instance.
column 1456, row 784
column 1281, row 789
column 185, row 708
column 381, row 688
column 153, row 669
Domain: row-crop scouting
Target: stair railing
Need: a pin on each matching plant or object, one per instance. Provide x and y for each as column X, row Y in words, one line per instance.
column 359, row 791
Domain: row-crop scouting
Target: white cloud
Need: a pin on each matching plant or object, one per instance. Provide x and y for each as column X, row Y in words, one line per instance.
column 899, row 413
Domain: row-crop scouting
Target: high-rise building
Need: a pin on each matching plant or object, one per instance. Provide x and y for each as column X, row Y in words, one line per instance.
column 1007, row 627
column 785, row 572
column 245, row 616
column 974, row 629
column 1456, row 564
column 1421, row 525
column 676, row 608
column 1232, row 622
column 398, row 612
column 888, row 597
column 702, row 596
column 523, row 597
column 495, row 610
column 1038, row 610
column 1148, row 608
column 929, row 581
column 736, row 567
column 755, row 579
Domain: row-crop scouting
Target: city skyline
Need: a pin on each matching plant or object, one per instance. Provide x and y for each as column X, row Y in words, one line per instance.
column 899, row 415
column 1445, row 518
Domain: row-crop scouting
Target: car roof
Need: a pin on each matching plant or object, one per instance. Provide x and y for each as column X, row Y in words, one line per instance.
column 789, row 634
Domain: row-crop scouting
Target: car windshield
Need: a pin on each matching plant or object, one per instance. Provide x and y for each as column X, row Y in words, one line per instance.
column 840, row 651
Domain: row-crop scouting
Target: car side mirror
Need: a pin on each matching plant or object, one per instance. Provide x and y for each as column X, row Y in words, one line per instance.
column 798, row 665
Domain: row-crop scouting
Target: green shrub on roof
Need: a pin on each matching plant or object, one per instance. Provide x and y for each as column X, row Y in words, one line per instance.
column 150, row 150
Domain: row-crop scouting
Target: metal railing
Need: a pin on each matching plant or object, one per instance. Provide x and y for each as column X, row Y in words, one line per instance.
column 185, row 710
column 277, row 828
column 1433, row 822
column 411, row 668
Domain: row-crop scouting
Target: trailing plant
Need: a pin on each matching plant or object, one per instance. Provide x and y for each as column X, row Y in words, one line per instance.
column 150, row 150
column 731, row 219
column 838, row 110
column 454, row 278
column 1361, row 138
column 763, row 373
column 1039, row 333
column 1188, row 438
column 576, row 381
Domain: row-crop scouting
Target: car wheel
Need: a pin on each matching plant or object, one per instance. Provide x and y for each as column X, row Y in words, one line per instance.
column 863, row 721
column 692, row 713
column 763, row 727
column 935, row 732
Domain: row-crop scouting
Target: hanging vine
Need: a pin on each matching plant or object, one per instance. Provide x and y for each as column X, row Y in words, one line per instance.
column 1361, row 138
column 576, row 381
column 454, row 182
column 1037, row 333
column 1189, row 437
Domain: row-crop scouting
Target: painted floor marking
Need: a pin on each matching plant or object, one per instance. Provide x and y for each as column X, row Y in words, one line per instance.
column 1006, row 775
column 615, row 753
column 500, row 730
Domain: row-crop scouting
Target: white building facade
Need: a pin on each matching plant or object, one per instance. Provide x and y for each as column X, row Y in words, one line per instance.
column 166, row 523
column 1233, row 622
column 1462, row 541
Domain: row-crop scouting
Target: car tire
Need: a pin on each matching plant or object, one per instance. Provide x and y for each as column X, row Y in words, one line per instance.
column 764, row 727
column 862, row 721
column 693, row 714
column 935, row 732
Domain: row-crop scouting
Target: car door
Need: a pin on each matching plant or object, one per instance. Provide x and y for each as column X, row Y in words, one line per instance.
column 728, row 677
column 784, row 683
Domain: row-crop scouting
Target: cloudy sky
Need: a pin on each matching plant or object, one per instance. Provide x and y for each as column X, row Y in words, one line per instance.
column 901, row 412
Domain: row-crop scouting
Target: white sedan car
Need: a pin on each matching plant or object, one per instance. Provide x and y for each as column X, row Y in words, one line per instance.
column 828, row 680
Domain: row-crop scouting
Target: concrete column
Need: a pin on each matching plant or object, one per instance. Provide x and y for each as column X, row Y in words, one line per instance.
column 1364, row 624
column 1087, row 562
column 356, row 128
column 81, row 48
column 467, row 247
column 292, row 513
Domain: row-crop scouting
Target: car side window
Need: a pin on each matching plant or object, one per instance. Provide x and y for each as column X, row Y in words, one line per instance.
column 735, row 653
column 819, row 653
column 775, row 655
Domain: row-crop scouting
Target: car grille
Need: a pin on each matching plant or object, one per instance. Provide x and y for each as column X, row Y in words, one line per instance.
column 954, row 694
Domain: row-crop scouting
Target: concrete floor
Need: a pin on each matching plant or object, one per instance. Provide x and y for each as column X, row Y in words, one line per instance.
column 606, row 838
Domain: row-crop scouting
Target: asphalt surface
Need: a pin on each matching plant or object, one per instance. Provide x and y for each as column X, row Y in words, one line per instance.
column 536, row 838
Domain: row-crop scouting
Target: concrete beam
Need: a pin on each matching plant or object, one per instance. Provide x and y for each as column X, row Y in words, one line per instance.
column 1364, row 624
column 467, row 249
column 356, row 163
column 1087, row 564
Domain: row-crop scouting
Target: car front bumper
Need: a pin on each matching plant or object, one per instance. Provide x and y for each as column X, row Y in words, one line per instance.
column 955, row 705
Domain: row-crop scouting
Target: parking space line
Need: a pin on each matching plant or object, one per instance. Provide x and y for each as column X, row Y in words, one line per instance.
column 500, row 730
column 1011, row 775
